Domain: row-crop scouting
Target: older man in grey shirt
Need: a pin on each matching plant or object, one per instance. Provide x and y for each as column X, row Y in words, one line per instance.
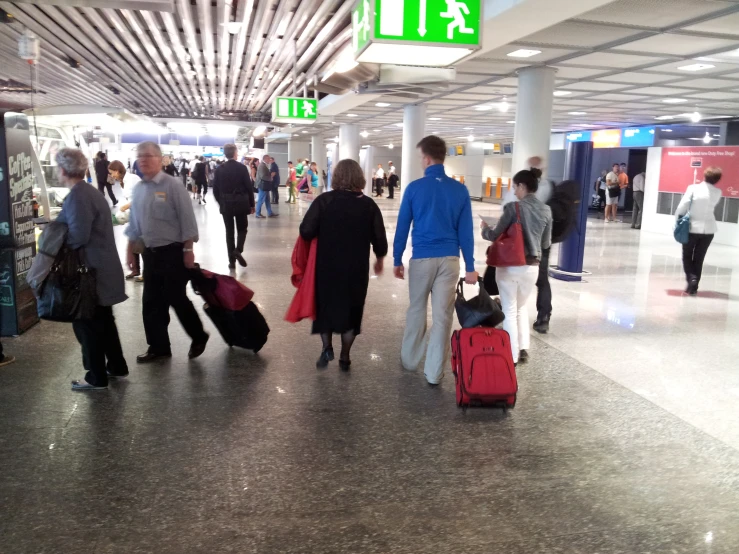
column 163, row 226
column 264, row 185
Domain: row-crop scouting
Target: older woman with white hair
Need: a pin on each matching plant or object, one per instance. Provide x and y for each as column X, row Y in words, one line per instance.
column 88, row 217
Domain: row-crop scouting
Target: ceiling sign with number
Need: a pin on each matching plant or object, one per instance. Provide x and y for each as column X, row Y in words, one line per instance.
column 432, row 33
column 294, row 110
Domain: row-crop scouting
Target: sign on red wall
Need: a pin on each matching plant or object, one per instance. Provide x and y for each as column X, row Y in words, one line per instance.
column 683, row 166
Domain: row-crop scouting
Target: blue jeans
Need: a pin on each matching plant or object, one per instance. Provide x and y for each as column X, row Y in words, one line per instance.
column 262, row 199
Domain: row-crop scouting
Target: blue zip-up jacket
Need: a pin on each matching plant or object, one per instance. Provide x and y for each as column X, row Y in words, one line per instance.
column 441, row 212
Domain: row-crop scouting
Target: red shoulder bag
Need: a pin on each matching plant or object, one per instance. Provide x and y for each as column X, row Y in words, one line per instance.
column 508, row 249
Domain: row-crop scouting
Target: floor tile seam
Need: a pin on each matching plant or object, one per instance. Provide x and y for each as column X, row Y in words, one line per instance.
column 631, row 392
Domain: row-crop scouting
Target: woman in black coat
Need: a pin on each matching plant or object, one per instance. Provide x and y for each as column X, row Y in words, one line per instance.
column 346, row 223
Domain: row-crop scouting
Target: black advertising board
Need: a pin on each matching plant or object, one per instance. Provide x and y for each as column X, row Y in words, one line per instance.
column 17, row 232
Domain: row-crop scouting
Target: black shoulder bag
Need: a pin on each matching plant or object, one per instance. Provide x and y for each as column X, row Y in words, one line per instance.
column 69, row 293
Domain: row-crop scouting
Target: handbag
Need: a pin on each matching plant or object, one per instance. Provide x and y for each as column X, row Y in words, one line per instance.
column 480, row 310
column 508, row 249
column 614, row 192
column 682, row 227
column 69, row 292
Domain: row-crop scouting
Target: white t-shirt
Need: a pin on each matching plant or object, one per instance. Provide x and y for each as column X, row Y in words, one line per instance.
column 612, row 179
column 639, row 183
column 603, row 183
column 380, row 174
column 391, row 170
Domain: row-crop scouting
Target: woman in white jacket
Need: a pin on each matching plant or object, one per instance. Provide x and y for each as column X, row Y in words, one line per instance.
column 700, row 200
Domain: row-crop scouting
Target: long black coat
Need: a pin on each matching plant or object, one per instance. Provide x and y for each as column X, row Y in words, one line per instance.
column 346, row 224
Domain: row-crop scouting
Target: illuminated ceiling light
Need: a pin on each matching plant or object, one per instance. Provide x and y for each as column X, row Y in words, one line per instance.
column 470, row 138
column 183, row 114
column 304, row 132
column 351, row 115
column 707, row 139
column 524, row 53
column 398, row 124
column 382, row 104
column 377, row 130
column 259, row 131
column 577, row 113
column 390, row 146
column 696, row 67
column 282, row 27
column 562, row 93
column 434, row 119
column 666, row 130
column 483, row 108
column 511, row 122
column 233, row 27
column 674, row 100
column 695, row 117
column 664, row 117
column 467, row 128
column 336, row 139
column 364, row 134
column 503, row 106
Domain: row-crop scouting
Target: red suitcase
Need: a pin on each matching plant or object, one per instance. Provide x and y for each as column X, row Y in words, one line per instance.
column 482, row 362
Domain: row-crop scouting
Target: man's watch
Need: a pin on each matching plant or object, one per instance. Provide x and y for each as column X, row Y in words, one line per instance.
column 188, row 250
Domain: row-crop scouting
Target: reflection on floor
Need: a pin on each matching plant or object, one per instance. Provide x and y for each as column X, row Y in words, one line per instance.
column 609, row 449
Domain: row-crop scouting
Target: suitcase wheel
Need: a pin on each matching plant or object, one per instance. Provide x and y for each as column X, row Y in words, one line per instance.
column 511, row 401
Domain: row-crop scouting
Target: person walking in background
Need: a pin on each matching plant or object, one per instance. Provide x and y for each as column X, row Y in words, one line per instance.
column 168, row 167
column 700, row 201
column 184, row 172
column 200, row 176
column 102, row 176
column 314, row 179
column 163, row 220
column 441, row 213
column 291, row 184
column 392, row 180
column 90, row 228
column 274, row 170
column 346, row 223
column 118, row 173
column 264, row 185
column 613, row 193
column 600, row 189
column 234, row 192
column 638, row 201
column 516, row 283
column 379, row 181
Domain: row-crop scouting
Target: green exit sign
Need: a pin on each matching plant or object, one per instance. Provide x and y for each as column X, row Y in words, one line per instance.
column 294, row 110
column 433, row 33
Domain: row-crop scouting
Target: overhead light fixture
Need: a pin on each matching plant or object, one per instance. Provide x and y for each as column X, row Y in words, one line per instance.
column 282, row 27
column 674, row 100
column 467, row 128
column 345, row 62
column 695, row 117
column 336, row 139
column 577, row 113
column 434, row 119
column 471, row 138
column 512, row 122
column 666, row 130
column 524, row 53
column 382, row 104
column 483, row 108
column 390, row 146
column 233, row 27
column 259, row 131
column 351, row 115
column 398, row 124
column 503, row 106
column 707, row 139
column 696, row 67
column 377, row 130
column 664, row 117
column 365, row 134
column 562, row 93
column 304, row 132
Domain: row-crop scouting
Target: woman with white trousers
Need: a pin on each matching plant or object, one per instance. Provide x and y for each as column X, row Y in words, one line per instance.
column 700, row 200
column 516, row 283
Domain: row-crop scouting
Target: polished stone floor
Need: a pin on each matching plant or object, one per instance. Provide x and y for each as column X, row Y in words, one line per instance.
column 624, row 438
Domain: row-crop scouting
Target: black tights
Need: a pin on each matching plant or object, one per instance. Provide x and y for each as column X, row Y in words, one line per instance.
column 347, row 341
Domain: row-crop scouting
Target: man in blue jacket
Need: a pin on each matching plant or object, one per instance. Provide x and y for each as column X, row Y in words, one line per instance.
column 441, row 212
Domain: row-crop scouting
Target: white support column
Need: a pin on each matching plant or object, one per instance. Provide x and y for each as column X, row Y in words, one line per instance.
column 533, row 116
column 298, row 150
column 318, row 152
column 349, row 142
column 414, row 129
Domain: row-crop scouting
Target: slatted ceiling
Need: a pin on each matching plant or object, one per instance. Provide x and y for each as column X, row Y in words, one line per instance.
column 653, row 14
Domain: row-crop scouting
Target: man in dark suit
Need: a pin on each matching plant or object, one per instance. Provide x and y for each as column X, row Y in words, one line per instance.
column 234, row 192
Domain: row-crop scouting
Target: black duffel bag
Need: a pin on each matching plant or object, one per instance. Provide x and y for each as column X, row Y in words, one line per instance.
column 480, row 310
column 69, row 292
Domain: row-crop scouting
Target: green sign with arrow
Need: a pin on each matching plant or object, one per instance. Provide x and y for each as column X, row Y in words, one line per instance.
column 294, row 110
column 441, row 23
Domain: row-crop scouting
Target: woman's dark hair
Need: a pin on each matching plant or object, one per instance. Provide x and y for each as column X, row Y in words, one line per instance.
column 527, row 178
column 119, row 167
column 348, row 175
column 537, row 172
column 713, row 175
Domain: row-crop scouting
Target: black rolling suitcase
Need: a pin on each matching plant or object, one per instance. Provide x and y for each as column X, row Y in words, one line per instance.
column 246, row 328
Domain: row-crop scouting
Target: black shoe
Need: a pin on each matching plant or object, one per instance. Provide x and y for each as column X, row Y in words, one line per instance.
column 523, row 356
column 542, row 325
column 326, row 357
column 692, row 289
column 274, row 215
column 231, row 265
column 240, row 258
column 117, row 375
column 79, row 386
column 345, row 365
column 151, row 357
column 197, row 348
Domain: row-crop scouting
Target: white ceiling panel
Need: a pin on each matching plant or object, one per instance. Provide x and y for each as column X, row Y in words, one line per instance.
column 489, row 67
column 566, row 72
column 717, row 95
column 708, row 83
column 673, row 67
column 546, row 55
column 594, row 86
column 727, row 25
column 662, row 91
column 492, row 90
column 652, row 13
column 606, row 60
column 619, row 97
column 637, row 78
column 579, row 35
column 678, row 45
